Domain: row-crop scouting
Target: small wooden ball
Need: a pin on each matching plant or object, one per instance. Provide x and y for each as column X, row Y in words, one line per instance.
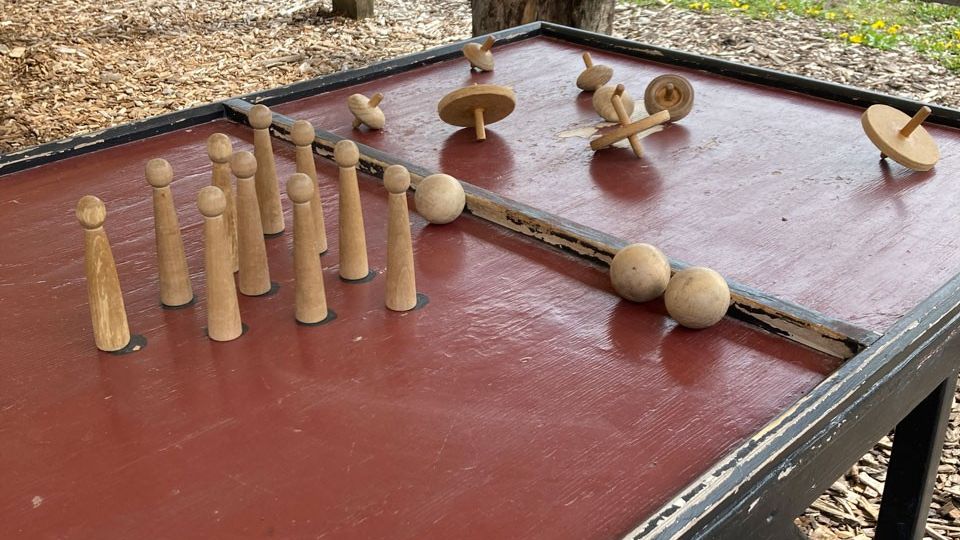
column 211, row 201
column 640, row 272
column 346, row 153
column 219, row 148
column 301, row 133
column 260, row 117
column 300, row 188
column 243, row 164
column 697, row 297
column 159, row 173
column 91, row 212
column 440, row 198
column 604, row 106
column 396, row 179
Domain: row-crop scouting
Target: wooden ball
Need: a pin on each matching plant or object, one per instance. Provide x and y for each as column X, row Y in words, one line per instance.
column 260, row 117
column 211, row 201
column 159, row 173
column 346, row 153
column 697, row 297
column 300, row 188
column 219, row 148
column 396, row 179
column 243, row 164
column 604, row 107
column 91, row 212
column 640, row 272
column 439, row 198
column 301, row 133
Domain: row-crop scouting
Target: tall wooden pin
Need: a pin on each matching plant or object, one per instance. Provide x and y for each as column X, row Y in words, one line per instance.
column 311, row 302
column 175, row 288
column 401, row 279
column 219, row 149
column 353, row 241
column 223, row 310
column 254, row 275
column 302, row 135
column 268, row 190
column 110, row 329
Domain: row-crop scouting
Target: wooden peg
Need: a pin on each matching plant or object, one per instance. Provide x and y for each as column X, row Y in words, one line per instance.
column 175, row 288
column 311, row 299
column 480, row 56
column 302, row 135
column 219, row 149
column 254, row 276
column 109, row 317
column 353, row 241
column 594, row 76
column 901, row 137
column 401, row 278
column 622, row 132
column 366, row 111
column 268, row 189
column 624, row 119
column 477, row 105
column 223, row 310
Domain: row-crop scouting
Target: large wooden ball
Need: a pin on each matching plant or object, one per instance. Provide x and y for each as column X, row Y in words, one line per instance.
column 640, row 272
column 697, row 297
column 439, row 198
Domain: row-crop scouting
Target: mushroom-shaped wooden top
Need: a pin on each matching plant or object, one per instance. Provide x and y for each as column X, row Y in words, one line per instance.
column 594, row 76
column 480, row 56
column 366, row 111
column 477, row 106
column 671, row 93
column 626, row 130
column 604, row 105
column 900, row 137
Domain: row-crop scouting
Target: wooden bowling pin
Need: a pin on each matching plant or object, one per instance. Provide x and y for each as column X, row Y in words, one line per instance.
column 268, row 190
column 254, row 275
column 311, row 302
column 302, row 135
column 219, row 149
column 353, row 241
column 110, row 330
column 401, row 279
column 223, row 310
column 175, row 288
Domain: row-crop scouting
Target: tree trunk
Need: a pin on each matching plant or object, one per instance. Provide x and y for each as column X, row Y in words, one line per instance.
column 492, row 15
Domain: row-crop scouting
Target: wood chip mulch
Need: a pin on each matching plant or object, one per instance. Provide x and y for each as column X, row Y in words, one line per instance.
column 76, row 66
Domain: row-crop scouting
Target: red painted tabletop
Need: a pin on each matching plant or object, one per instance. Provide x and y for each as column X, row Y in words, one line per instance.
column 774, row 189
column 526, row 400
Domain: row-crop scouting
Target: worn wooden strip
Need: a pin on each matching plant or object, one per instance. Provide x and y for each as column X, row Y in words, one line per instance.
column 796, row 323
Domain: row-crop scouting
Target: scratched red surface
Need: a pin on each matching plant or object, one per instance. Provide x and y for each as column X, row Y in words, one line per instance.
column 777, row 190
column 525, row 401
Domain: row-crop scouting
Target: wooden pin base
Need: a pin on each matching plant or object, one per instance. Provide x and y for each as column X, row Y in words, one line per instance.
column 331, row 316
column 137, row 343
column 366, row 279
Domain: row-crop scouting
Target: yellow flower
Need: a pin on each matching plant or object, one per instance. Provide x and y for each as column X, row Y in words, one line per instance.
column 856, row 38
column 844, row 35
column 831, row 15
column 878, row 25
column 781, row 7
column 893, row 29
column 744, row 7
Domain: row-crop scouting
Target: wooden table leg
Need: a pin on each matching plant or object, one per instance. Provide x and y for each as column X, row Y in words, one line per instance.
column 917, row 443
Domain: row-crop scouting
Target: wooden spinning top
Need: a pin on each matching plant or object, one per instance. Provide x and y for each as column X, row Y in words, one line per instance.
column 366, row 111
column 900, row 137
column 626, row 130
column 594, row 76
column 477, row 106
column 671, row 93
column 604, row 106
column 480, row 56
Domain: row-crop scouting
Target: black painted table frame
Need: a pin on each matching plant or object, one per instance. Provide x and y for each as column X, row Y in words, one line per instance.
column 905, row 378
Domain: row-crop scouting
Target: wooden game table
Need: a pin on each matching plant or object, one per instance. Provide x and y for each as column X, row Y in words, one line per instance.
column 525, row 400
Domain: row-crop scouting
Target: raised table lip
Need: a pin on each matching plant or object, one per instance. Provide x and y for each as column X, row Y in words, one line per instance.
column 726, row 494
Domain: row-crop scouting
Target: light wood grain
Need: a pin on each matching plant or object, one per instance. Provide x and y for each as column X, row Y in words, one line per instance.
column 107, row 313
column 219, row 149
column 353, row 240
column 174, row 276
column 302, row 134
column 401, row 292
column 268, row 189
column 223, row 309
column 254, row 275
column 311, row 298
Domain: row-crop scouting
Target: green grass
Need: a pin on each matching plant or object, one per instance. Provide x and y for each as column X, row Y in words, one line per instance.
column 930, row 28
